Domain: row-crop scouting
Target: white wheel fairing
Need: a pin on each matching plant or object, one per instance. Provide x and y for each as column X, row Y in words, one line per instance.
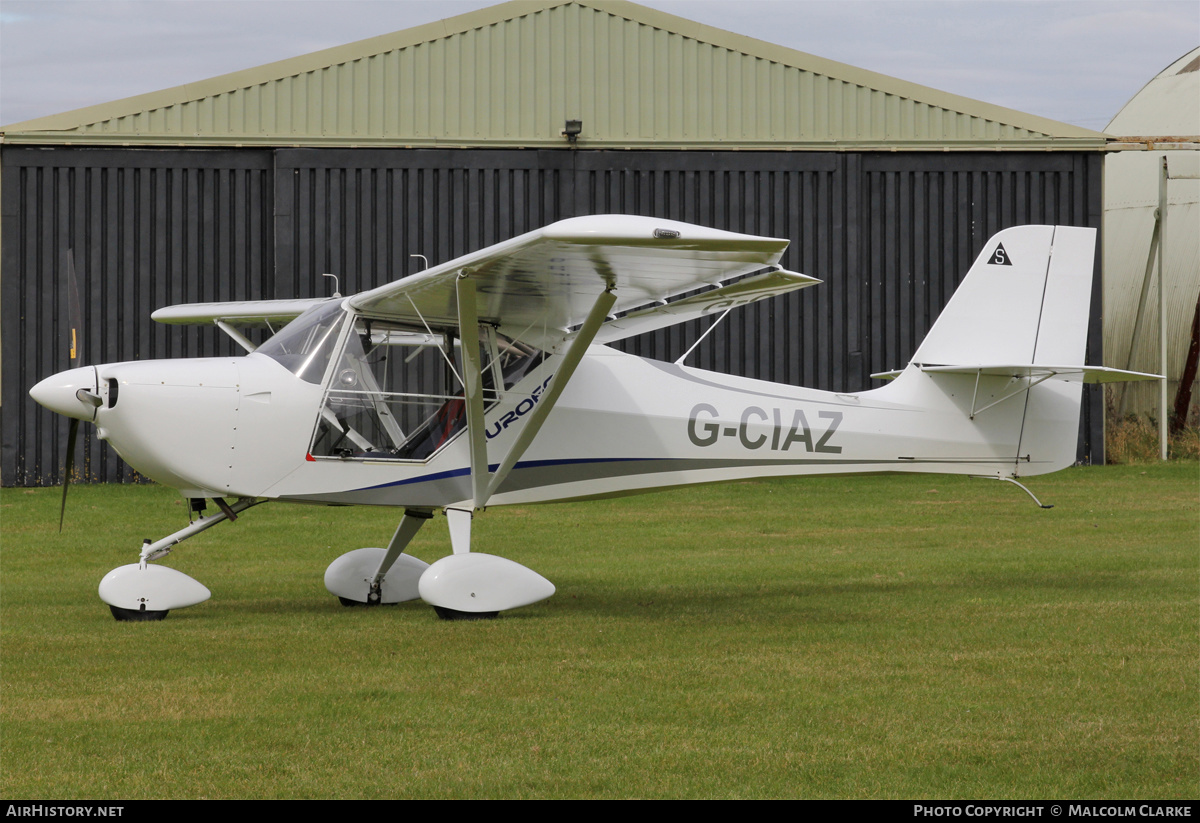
column 477, row 582
column 151, row 588
column 349, row 576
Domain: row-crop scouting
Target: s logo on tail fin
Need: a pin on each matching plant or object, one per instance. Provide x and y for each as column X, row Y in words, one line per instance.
column 999, row 257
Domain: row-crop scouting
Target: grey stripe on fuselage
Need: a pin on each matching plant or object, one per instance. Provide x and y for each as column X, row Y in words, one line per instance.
column 441, row 491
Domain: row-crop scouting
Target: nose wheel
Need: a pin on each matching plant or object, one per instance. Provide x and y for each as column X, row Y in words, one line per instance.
column 142, row 615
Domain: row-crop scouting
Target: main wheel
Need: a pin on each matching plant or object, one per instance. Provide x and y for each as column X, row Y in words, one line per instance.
column 454, row 614
column 348, row 603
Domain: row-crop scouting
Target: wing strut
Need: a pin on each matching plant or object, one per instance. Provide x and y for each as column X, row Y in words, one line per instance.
column 468, row 333
column 574, row 354
column 468, row 329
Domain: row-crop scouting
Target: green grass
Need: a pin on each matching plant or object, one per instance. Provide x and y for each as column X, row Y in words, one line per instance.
column 859, row 637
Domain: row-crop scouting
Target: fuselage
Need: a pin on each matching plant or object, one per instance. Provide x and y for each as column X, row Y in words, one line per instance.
column 406, row 395
column 244, row 427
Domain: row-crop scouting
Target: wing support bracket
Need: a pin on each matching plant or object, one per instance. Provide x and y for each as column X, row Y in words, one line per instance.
column 703, row 335
column 468, row 328
column 236, row 336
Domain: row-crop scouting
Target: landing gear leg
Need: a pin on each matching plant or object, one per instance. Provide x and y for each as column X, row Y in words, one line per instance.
column 459, row 521
column 410, row 524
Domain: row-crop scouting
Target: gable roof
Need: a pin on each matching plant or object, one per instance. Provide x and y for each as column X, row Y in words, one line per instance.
column 511, row 74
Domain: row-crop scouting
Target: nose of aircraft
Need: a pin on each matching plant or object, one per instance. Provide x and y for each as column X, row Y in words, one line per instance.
column 71, row 393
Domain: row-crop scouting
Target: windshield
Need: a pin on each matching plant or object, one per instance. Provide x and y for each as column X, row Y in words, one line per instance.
column 303, row 346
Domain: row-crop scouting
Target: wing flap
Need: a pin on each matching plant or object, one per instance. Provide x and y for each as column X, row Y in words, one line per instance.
column 714, row 302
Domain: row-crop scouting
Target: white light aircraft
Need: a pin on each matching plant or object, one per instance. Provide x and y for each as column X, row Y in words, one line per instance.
column 487, row 381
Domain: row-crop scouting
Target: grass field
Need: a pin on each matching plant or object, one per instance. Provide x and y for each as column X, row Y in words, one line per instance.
column 905, row 637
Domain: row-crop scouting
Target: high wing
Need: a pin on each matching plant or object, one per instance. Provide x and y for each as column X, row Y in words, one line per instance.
column 1034, row 371
column 231, row 316
column 242, row 314
column 540, row 286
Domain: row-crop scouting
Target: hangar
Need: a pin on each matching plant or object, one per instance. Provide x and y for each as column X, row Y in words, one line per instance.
column 445, row 138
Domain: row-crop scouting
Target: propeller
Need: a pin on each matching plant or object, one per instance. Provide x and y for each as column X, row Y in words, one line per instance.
column 75, row 330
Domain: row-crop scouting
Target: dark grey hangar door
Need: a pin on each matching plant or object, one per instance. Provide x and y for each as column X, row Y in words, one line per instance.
column 891, row 234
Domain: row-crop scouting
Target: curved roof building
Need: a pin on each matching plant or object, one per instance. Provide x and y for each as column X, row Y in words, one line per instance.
column 1163, row 121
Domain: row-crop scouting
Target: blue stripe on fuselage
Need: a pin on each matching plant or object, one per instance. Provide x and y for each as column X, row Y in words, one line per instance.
column 529, row 464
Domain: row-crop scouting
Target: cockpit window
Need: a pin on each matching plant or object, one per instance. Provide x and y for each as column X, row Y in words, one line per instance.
column 304, row 346
column 396, row 392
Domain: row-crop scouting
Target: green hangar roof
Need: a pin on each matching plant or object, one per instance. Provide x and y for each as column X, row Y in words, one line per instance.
column 512, row 74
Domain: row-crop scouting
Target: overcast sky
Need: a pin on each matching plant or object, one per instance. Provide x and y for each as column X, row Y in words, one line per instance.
column 1077, row 62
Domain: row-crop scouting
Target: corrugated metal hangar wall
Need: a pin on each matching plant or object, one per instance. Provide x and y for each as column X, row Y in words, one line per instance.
column 890, row 234
column 445, row 138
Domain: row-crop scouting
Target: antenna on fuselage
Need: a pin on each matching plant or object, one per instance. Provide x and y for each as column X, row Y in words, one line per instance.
column 424, row 260
column 336, row 285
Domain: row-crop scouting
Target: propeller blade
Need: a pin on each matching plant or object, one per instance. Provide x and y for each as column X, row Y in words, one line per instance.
column 67, row 467
column 75, row 350
column 74, row 313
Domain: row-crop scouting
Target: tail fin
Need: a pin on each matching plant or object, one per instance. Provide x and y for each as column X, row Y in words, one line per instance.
column 1008, row 350
column 996, row 351
column 1024, row 302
